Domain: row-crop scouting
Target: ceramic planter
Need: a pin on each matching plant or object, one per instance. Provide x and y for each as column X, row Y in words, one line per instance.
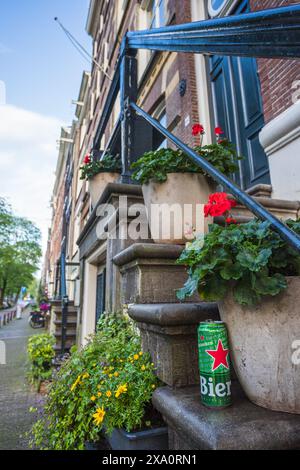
column 184, row 195
column 151, row 439
column 98, row 183
column 264, row 348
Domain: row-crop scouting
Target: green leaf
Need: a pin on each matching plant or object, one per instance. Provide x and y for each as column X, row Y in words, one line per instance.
column 213, row 289
column 232, row 271
column 190, row 287
column 244, row 294
column 254, row 261
column 269, row 285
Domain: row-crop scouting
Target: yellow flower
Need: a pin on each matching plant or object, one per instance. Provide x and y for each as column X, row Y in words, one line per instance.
column 99, row 394
column 121, row 389
column 108, row 394
column 136, row 357
column 77, row 381
column 153, row 386
column 110, row 376
column 99, row 416
column 93, row 398
column 141, row 353
column 143, row 367
column 116, row 374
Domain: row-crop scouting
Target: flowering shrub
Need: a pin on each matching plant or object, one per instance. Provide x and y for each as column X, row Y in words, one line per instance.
column 40, row 351
column 106, row 385
column 155, row 165
column 251, row 259
column 92, row 167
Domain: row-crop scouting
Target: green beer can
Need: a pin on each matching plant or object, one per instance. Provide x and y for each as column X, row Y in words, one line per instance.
column 214, row 364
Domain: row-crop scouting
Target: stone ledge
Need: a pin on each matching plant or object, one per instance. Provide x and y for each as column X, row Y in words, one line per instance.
column 173, row 314
column 242, row 426
column 149, row 251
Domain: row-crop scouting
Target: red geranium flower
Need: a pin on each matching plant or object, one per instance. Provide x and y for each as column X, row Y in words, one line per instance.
column 230, row 220
column 218, row 204
column 197, row 129
column 219, row 130
column 87, row 159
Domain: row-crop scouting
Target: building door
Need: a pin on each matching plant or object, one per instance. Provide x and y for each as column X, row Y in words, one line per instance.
column 100, row 295
column 238, row 110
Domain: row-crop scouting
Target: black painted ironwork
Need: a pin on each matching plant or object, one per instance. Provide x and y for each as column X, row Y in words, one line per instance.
column 268, row 33
column 64, row 302
column 240, row 195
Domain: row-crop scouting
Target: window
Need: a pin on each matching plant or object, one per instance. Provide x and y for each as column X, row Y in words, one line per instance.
column 219, row 7
column 158, row 13
column 161, row 115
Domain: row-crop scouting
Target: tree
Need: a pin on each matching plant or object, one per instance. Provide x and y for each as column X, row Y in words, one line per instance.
column 20, row 251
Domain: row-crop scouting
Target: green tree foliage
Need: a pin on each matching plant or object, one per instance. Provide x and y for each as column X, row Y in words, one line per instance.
column 20, row 251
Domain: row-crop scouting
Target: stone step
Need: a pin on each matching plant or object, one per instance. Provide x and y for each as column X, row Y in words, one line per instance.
column 242, row 426
column 69, row 334
column 283, row 209
column 169, row 334
column 68, row 345
column 70, row 323
column 71, row 317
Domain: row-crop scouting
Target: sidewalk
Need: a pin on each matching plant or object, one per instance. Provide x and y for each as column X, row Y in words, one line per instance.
column 15, row 395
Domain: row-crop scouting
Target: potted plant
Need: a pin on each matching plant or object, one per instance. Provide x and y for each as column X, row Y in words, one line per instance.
column 99, row 173
column 41, row 353
column 170, row 180
column 103, row 392
column 254, row 276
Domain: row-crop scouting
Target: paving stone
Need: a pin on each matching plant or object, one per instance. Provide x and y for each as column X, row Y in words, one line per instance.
column 16, row 397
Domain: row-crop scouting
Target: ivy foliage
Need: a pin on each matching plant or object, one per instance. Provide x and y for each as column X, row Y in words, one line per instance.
column 110, row 375
column 250, row 258
column 156, row 165
column 109, row 163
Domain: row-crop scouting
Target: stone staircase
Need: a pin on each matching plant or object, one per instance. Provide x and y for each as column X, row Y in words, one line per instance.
column 56, row 325
column 150, row 278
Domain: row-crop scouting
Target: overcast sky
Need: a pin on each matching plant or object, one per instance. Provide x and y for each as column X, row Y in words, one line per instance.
column 40, row 74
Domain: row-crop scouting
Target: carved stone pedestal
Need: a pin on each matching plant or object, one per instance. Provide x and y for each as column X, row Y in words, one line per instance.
column 150, row 273
column 169, row 333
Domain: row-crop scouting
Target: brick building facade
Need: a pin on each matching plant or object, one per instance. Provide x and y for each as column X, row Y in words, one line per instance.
column 278, row 77
column 178, row 89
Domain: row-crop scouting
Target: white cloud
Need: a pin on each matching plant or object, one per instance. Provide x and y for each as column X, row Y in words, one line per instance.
column 28, row 157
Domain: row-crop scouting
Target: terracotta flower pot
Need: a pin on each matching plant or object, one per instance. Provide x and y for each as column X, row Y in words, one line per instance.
column 98, row 183
column 264, row 347
column 175, row 207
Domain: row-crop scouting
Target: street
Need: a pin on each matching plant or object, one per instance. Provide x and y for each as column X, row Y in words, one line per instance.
column 15, row 395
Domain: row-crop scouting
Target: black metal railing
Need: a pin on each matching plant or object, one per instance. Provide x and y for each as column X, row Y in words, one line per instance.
column 269, row 33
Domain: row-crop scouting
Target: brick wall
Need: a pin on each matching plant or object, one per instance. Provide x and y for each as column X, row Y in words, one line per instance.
column 276, row 76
